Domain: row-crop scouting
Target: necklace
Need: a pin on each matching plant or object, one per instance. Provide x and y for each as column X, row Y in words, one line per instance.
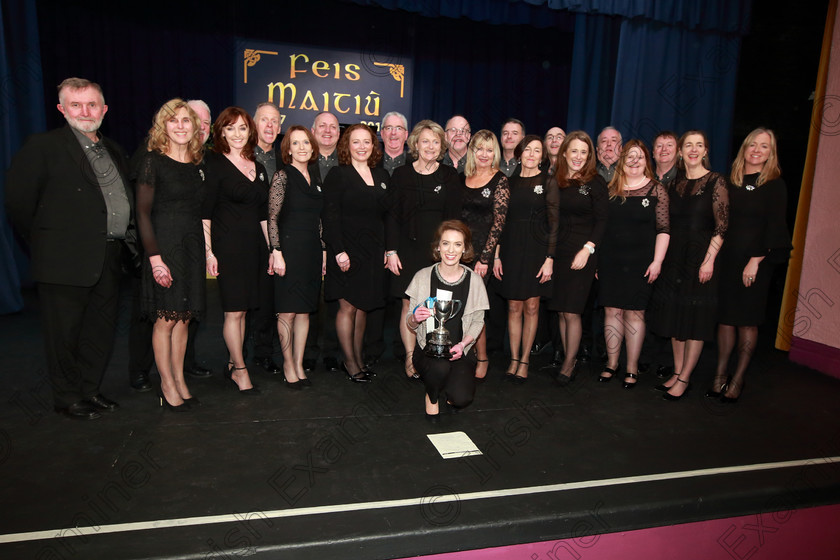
column 628, row 186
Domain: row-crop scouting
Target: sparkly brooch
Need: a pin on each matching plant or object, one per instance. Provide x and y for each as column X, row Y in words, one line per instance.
column 485, row 192
column 645, row 202
column 438, row 188
column 750, row 187
column 201, row 172
column 262, row 178
column 318, row 187
column 538, row 189
column 584, row 190
column 383, row 185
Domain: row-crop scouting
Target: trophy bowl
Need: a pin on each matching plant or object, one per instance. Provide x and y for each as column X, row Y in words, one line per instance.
column 438, row 343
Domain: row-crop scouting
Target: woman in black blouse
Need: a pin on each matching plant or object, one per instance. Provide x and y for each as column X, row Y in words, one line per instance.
column 577, row 199
column 757, row 240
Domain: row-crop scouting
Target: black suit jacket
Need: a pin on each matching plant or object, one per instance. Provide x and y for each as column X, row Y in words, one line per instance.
column 55, row 203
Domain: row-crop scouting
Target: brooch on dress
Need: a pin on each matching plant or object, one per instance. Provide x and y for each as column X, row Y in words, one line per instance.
column 538, row 189
column 485, row 192
column 262, row 178
column 318, row 187
column 438, row 188
column 584, row 190
column 383, row 185
column 645, row 202
column 750, row 187
column 201, row 172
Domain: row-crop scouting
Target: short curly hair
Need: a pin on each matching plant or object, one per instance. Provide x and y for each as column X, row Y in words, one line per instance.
column 436, row 129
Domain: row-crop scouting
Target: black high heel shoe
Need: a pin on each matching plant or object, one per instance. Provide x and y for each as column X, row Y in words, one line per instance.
column 183, row 407
column 712, row 394
column 627, row 384
column 562, row 379
column 252, row 392
column 358, row 377
column 510, row 375
column 520, row 379
column 669, row 397
column 604, row 379
column 730, row 400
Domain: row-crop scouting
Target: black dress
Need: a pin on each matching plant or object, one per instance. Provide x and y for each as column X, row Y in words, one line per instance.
column 484, row 210
column 524, row 243
column 681, row 307
column 628, row 246
column 420, row 204
column 578, row 213
column 236, row 205
column 757, row 228
column 294, row 226
column 169, row 198
column 354, row 223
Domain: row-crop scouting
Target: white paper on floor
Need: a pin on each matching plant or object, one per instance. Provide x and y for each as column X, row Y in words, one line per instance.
column 453, row 445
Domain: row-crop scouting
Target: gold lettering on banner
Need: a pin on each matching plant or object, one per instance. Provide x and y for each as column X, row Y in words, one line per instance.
column 397, row 72
column 282, row 87
column 252, row 56
column 375, row 112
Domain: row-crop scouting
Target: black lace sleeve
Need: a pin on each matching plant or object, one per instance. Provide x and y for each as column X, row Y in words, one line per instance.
column 720, row 205
column 276, row 195
column 146, row 182
column 501, row 199
column 663, row 209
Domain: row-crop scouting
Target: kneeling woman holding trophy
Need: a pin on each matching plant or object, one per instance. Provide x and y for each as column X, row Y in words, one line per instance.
column 448, row 301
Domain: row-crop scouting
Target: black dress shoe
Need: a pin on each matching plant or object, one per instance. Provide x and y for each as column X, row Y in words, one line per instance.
column 100, row 402
column 331, row 363
column 198, row 371
column 139, row 382
column 538, row 347
column 309, row 364
column 79, row 411
column 268, row 365
column 433, row 418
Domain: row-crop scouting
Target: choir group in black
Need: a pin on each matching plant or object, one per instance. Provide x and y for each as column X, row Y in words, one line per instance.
column 690, row 255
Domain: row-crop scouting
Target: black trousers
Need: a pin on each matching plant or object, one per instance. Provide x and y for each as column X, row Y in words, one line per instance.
column 439, row 375
column 78, row 325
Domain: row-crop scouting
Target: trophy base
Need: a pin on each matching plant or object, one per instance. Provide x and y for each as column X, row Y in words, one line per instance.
column 438, row 349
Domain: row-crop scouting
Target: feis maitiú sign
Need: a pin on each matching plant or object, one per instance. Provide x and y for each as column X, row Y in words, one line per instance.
column 304, row 81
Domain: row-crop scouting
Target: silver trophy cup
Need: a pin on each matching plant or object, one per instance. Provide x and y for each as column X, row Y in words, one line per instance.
column 438, row 343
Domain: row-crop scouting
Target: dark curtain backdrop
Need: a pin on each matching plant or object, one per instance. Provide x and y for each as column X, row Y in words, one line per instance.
column 574, row 63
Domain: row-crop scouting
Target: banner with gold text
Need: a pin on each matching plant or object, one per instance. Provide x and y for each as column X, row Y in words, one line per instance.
column 304, row 81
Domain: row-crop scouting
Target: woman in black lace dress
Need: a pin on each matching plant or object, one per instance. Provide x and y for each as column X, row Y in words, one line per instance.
column 634, row 246
column 170, row 188
column 297, row 258
column 757, row 240
column 484, row 204
column 236, row 233
column 577, row 199
column 523, row 266
column 684, row 305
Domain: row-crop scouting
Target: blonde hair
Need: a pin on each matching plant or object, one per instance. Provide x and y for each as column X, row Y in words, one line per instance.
column 159, row 140
column 771, row 169
column 482, row 138
column 436, row 129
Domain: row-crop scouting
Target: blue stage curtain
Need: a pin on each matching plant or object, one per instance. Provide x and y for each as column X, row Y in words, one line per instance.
column 594, row 61
column 21, row 113
column 672, row 78
column 713, row 15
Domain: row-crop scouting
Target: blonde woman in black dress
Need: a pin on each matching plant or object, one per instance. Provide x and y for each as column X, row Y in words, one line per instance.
column 757, row 240
column 170, row 189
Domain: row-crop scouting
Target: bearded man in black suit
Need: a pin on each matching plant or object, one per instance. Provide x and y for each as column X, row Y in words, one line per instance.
column 68, row 196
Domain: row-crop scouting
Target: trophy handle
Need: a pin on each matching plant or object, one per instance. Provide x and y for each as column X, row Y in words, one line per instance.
column 456, row 307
